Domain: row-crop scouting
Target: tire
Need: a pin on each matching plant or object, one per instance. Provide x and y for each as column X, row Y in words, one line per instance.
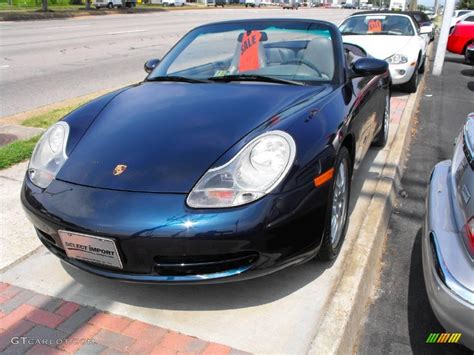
column 411, row 85
column 381, row 138
column 421, row 69
column 335, row 232
column 466, row 59
column 110, row 5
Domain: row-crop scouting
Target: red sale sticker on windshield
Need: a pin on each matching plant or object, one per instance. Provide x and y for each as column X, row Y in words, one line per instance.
column 249, row 55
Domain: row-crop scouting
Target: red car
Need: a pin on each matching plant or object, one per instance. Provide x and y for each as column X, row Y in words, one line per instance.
column 460, row 39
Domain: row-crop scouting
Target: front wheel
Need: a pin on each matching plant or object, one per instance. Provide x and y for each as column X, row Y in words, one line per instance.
column 110, row 5
column 338, row 206
column 421, row 70
column 412, row 85
column 466, row 54
column 382, row 137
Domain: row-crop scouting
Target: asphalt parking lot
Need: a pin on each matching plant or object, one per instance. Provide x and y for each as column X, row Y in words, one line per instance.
column 400, row 317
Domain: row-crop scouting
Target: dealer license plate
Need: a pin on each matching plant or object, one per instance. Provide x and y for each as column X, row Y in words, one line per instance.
column 89, row 248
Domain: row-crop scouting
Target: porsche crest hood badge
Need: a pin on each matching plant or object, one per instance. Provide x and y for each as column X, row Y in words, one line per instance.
column 119, row 169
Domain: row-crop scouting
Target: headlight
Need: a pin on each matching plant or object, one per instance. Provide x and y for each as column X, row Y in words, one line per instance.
column 252, row 173
column 397, row 59
column 49, row 155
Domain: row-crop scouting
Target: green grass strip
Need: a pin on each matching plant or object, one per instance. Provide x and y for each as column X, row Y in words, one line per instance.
column 17, row 152
column 47, row 119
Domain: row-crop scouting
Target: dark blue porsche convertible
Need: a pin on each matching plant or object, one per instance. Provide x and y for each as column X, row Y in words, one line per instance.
column 231, row 160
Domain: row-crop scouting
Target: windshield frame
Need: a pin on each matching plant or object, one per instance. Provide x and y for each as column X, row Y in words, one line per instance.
column 225, row 26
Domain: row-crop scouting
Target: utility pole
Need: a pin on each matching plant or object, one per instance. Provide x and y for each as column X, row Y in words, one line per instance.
column 443, row 37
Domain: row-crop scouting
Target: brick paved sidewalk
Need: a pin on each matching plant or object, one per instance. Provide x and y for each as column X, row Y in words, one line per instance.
column 397, row 106
column 53, row 326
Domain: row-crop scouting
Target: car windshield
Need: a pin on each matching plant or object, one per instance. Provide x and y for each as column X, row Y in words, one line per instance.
column 294, row 51
column 377, row 25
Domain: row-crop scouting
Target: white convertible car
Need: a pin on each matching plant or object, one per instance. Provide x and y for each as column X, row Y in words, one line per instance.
column 393, row 36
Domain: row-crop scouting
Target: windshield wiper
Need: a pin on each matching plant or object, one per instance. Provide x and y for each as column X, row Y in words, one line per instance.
column 254, row 77
column 348, row 33
column 175, row 78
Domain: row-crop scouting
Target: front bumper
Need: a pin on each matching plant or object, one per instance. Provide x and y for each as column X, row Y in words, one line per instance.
column 160, row 239
column 401, row 73
column 452, row 302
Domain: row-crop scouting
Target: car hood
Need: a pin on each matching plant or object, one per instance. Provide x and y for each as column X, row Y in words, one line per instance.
column 380, row 47
column 169, row 134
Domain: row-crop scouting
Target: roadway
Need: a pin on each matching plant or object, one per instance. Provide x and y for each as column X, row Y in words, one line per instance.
column 43, row 62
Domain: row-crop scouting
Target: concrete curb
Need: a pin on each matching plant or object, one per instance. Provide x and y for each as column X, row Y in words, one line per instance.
column 340, row 325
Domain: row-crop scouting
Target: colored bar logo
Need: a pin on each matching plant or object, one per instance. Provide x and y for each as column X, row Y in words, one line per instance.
column 443, row 338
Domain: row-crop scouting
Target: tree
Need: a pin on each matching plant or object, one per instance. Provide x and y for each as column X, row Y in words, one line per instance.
column 45, row 5
column 466, row 4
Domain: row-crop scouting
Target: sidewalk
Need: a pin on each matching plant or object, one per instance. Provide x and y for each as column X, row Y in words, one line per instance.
column 32, row 323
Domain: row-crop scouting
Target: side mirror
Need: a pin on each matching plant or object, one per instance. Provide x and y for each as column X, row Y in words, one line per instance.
column 151, row 64
column 424, row 30
column 368, row 67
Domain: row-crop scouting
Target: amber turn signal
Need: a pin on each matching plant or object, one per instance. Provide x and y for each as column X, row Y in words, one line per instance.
column 326, row 176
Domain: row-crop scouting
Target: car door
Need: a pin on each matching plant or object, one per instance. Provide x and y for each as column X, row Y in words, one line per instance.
column 364, row 113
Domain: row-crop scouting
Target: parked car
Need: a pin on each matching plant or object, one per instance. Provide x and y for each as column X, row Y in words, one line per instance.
column 113, row 3
column 289, row 4
column 463, row 16
column 349, row 6
column 391, row 36
column 460, row 39
column 431, row 15
column 245, row 135
column 253, row 3
column 448, row 239
column 220, row 3
column 173, row 2
column 423, row 21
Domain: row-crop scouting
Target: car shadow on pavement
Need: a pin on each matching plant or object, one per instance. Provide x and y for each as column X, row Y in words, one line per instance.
column 232, row 295
column 421, row 319
column 456, row 59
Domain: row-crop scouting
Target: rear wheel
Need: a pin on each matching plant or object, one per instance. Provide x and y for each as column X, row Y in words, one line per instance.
column 338, row 206
column 110, row 5
column 382, row 137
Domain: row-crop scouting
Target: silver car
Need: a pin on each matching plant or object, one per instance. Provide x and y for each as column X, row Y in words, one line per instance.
column 448, row 239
